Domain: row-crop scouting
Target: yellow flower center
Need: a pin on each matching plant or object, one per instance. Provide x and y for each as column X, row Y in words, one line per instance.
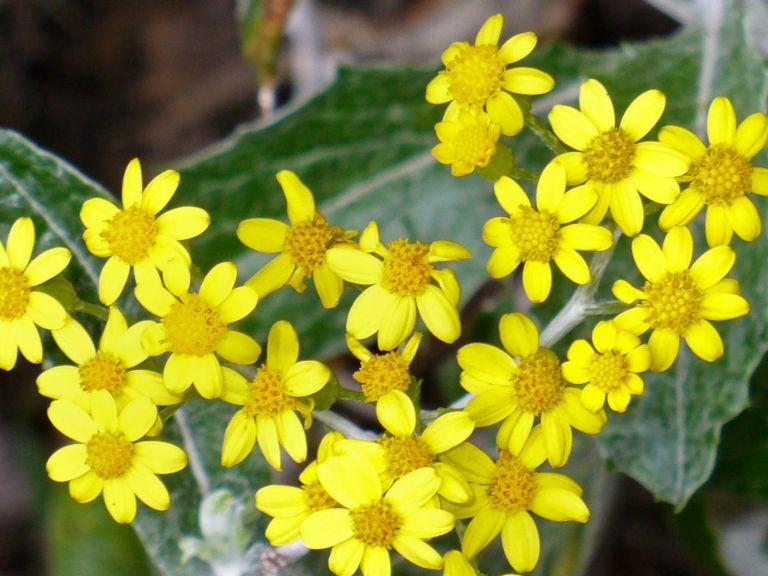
column 721, row 175
column 674, row 302
column 512, row 484
column 375, row 524
column 130, row 234
column 406, row 270
column 535, row 234
column 102, row 372
column 609, row 156
column 14, row 294
column 474, row 145
column 475, row 74
column 193, row 326
column 317, row 497
column 406, row 453
column 307, row 242
column 538, row 385
column 608, row 371
column 266, row 395
column 381, row 374
column 108, row 454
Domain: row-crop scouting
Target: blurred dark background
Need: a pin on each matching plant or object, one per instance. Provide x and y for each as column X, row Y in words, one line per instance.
column 100, row 82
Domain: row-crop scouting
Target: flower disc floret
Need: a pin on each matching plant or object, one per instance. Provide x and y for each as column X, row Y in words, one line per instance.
column 406, row 268
column 383, row 373
column 108, row 454
column 267, row 395
column 608, row 156
column 475, row 74
column 14, row 294
column 466, row 142
column 538, row 385
column 375, row 524
column 193, row 326
column 536, row 234
column 130, row 234
column 511, row 484
column 722, row 175
column 673, row 302
column 317, row 497
column 406, row 453
column 307, row 241
column 608, row 370
column 103, row 372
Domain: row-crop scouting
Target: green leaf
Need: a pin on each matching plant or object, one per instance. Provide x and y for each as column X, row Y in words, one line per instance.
column 36, row 183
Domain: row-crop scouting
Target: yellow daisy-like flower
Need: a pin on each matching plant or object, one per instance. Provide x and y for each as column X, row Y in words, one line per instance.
column 466, row 142
column 611, row 159
column 383, row 373
column 194, row 327
column 22, row 307
column 112, row 367
column 519, row 392
column 108, row 456
column 537, row 236
column 610, row 369
column 721, row 175
column 374, row 518
column 269, row 401
column 506, row 492
column 477, row 76
column 136, row 237
column 679, row 299
column 403, row 451
column 302, row 245
column 290, row 505
column 401, row 279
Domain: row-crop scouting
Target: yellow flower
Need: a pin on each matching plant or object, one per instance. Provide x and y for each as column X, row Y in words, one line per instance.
column 136, row 237
column 721, row 175
column 108, row 456
column 302, row 245
column 279, row 387
column 610, row 369
column 194, row 327
column 21, row 306
column 679, row 299
column 400, row 281
column 466, row 142
column 112, row 367
column 290, row 505
column 373, row 518
column 611, row 159
column 506, row 492
column 403, row 451
column 519, row 392
column 537, row 236
column 381, row 374
column 476, row 76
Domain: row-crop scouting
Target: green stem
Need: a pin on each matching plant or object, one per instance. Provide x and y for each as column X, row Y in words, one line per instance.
column 93, row 309
column 544, row 134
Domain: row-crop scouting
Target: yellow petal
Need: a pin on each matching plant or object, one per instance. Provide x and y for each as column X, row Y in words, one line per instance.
column 314, row 530
column 704, row 340
column 523, row 80
column 503, row 261
column 537, row 280
column 282, row 346
column 366, row 313
column 67, row 463
column 20, row 243
column 120, row 500
column 649, row 258
column 678, row 249
column 719, row 306
column 439, row 314
column 487, row 362
column 683, row 210
column 301, row 204
column 682, row 140
column 505, row 111
column 346, row 556
column 490, row 30
column 627, row 208
column 292, row 436
column 305, row 378
column 572, row 126
column 47, row 265
column 744, row 219
column 183, row 223
column 482, row 530
column 148, row 488
column 136, row 419
column 159, row 457
column 238, row 348
column 642, row 114
column 274, row 275
column 448, row 431
column 132, row 184
column 660, row 189
column 418, row 552
column 520, row 540
column 112, row 280
column 218, row 283
column 751, row 135
column 350, row 479
column 551, row 187
column 721, row 121
column 573, row 265
column 664, row 345
column 354, row 265
column 519, row 334
column 262, row 234
column 397, row 321
column 718, row 229
column 159, row 191
column 95, row 211
column 510, row 195
column 712, row 266
column 328, row 285
column 596, row 105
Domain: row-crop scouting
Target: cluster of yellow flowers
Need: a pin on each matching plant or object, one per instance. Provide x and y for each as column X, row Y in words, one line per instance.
column 422, row 478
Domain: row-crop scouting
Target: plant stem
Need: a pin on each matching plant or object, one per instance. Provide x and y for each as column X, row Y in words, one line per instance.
column 543, row 133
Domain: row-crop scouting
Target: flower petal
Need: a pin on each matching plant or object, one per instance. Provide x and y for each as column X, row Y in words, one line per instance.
column 596, row 105
column 262, row 234
column 572, row 126
column 643, row 113
column 721, row 121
